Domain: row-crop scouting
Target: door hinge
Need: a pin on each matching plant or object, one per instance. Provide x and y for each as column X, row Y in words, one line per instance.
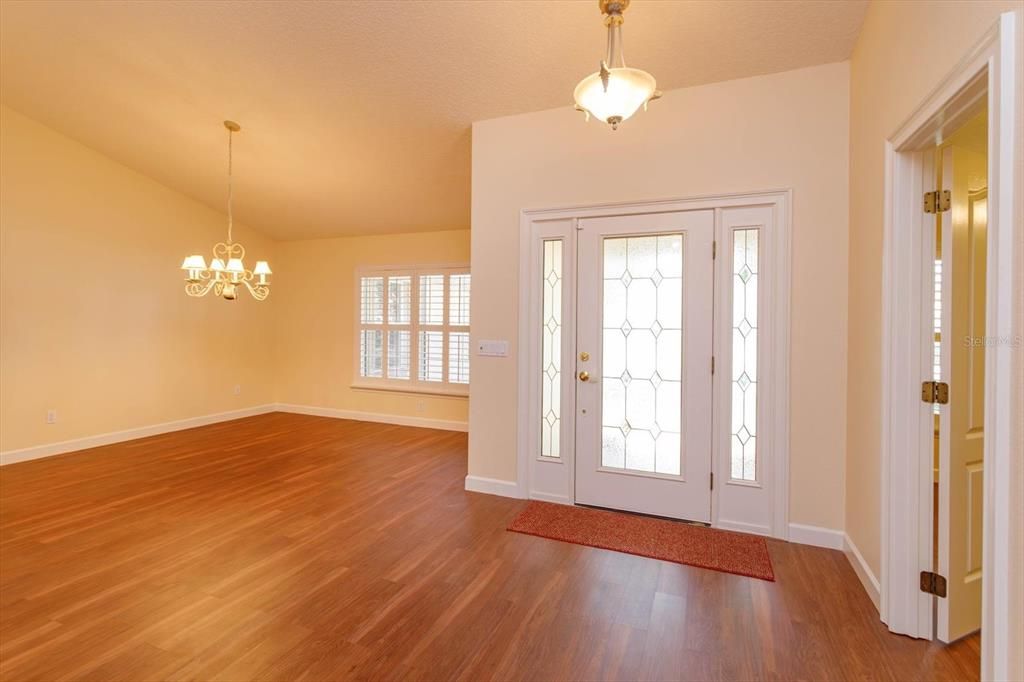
column 935, row 392
column 712, row 364
column 714, row 250
column 933, row 583
column 712, row 480
column 937, row 202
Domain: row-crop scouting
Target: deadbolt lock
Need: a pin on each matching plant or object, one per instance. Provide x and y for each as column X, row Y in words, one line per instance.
column 584, row 356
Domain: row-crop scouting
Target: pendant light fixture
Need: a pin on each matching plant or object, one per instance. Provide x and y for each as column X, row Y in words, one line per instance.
column 227, row 272
column 615, row 92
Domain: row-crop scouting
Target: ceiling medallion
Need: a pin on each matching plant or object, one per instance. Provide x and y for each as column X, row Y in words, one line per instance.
column 227, row 273
column 615, row 92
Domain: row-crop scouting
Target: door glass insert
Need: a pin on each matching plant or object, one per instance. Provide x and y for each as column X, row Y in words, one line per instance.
column 551, row 350
column 642, row 353
column 744, row 355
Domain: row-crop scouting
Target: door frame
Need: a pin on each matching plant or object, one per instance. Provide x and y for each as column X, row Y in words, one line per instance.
column 555, row 481
column 988, row 70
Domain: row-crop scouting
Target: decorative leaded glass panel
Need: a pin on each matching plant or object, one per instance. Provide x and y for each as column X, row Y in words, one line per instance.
column 744, row 355
column 642, row 354
column 551, row 350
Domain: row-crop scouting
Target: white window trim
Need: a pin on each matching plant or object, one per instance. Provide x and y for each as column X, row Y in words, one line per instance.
column 413, row 384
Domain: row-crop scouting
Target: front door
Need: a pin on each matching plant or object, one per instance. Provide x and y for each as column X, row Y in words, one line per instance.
column 643, row 364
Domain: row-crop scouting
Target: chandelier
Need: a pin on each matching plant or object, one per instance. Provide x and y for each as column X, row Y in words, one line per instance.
column 614, row 93
column 227, row 273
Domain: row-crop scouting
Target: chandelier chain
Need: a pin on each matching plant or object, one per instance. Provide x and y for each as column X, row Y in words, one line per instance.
column 230, row 219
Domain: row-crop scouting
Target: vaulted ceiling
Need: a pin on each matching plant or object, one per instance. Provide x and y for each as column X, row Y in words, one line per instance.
column 356, row 116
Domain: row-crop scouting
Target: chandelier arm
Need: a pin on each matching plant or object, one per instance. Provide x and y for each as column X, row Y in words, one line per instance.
column 198, row 289
column 259, row 292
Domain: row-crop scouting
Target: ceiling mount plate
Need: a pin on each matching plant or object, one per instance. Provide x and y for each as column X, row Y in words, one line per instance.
column 232, row 126
column 613, row 6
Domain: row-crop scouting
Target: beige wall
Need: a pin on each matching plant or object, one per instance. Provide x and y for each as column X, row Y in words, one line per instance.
column 895, row 65
column 315, row 320
column 95, row 322
column 786, row 130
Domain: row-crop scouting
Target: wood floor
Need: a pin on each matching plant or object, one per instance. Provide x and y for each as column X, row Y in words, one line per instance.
column 287, row 547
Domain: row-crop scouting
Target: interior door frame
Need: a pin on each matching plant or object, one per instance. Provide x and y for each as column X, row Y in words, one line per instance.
column 553, row 480
column 987, row 71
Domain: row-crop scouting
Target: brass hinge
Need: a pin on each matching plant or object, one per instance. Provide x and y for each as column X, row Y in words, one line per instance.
column 714, row 250
column 933, row 583
column 937, row 202
column 935, row 392
column 712, row 480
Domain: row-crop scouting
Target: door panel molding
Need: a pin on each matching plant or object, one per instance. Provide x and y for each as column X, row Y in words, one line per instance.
column 554, row 481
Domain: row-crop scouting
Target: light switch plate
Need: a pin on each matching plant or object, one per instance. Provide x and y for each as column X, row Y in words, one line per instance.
column 494, row 349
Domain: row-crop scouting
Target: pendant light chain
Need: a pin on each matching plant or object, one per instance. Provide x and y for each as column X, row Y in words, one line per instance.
column 230, row 220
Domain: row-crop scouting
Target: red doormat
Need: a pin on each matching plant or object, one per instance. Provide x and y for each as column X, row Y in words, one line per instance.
column 682, row 543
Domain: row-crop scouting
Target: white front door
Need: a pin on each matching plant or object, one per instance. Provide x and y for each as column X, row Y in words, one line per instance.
column 643, row 367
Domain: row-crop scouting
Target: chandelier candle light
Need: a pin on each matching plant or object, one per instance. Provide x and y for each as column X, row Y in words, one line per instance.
column 227, row 272
column 614, row 93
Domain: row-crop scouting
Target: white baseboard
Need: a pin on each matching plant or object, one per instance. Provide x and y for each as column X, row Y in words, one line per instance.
column 741, row 527
column 492, row 486
column 421, row 422
column 50, row 449
column 548, row 497
column 816, row 536
column 863, row 571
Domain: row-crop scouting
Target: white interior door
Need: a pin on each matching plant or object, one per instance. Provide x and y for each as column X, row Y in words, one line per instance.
column 962, row 420
column 645, row 299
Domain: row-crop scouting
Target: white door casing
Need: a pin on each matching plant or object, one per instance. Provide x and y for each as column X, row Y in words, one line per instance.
column 644, row 323
column 987, row 72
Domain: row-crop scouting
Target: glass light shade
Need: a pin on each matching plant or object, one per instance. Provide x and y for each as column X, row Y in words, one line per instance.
column 194, row 263
column 235, row 265
column 262, row 268
column 628, row 90
column 217, row 265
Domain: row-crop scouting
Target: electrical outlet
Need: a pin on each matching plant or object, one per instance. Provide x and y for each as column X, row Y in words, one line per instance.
column 51, row 416
column 421, row 406
column 238, row 389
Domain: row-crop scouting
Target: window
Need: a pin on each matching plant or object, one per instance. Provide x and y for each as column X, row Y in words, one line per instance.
column 551, row 350
column 413, row 329
column 744, row 355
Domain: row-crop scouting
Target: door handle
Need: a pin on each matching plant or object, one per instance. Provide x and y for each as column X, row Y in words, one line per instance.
column 584, row 376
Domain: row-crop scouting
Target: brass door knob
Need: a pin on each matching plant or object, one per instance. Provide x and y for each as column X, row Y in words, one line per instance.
column 584, row 376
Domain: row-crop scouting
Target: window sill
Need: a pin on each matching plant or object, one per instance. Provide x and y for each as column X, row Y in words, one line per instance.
column 441, row 391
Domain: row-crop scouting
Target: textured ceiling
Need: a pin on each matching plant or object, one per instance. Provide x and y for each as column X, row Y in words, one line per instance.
column 356, row 115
